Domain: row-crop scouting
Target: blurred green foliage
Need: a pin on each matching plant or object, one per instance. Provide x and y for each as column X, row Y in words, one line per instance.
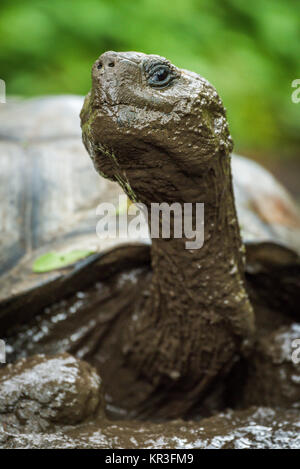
column 248, row 49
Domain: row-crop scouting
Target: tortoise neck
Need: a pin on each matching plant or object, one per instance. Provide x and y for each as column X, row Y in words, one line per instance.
column 195, row 315
column 210, row 275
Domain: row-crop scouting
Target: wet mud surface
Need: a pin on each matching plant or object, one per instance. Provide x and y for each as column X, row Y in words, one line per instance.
column 56, row 403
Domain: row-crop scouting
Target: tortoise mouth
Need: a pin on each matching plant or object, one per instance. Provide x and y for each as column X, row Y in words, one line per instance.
column 107, row 103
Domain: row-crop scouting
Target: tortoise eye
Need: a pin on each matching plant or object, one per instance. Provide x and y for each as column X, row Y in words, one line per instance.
column 160, row 76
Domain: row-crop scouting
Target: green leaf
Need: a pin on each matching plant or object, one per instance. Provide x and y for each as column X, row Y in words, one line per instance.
column 58, row 260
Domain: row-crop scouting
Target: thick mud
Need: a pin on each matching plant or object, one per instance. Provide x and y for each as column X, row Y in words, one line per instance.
column 56, row 403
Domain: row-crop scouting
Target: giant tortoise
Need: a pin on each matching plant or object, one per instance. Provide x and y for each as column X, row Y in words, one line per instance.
column 166, row 327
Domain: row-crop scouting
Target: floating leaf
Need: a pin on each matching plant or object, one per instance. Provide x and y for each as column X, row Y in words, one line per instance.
column 58, row 260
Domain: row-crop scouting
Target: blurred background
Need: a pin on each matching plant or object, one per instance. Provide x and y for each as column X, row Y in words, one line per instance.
column 248, row 49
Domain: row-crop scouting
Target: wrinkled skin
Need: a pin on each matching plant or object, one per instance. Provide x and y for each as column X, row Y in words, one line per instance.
column 171, row 143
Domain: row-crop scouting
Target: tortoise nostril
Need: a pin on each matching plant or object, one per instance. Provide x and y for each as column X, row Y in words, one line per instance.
column 99, row 65
column 111, row 64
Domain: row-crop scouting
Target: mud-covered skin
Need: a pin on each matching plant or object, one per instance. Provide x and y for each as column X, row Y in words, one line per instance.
column 274, row 370
column 39, row 392
column 172, row 144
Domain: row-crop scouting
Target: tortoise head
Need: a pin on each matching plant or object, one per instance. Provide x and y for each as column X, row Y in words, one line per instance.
column 146, row 123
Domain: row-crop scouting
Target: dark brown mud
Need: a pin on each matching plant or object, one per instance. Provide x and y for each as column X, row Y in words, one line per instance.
column 56, row 403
